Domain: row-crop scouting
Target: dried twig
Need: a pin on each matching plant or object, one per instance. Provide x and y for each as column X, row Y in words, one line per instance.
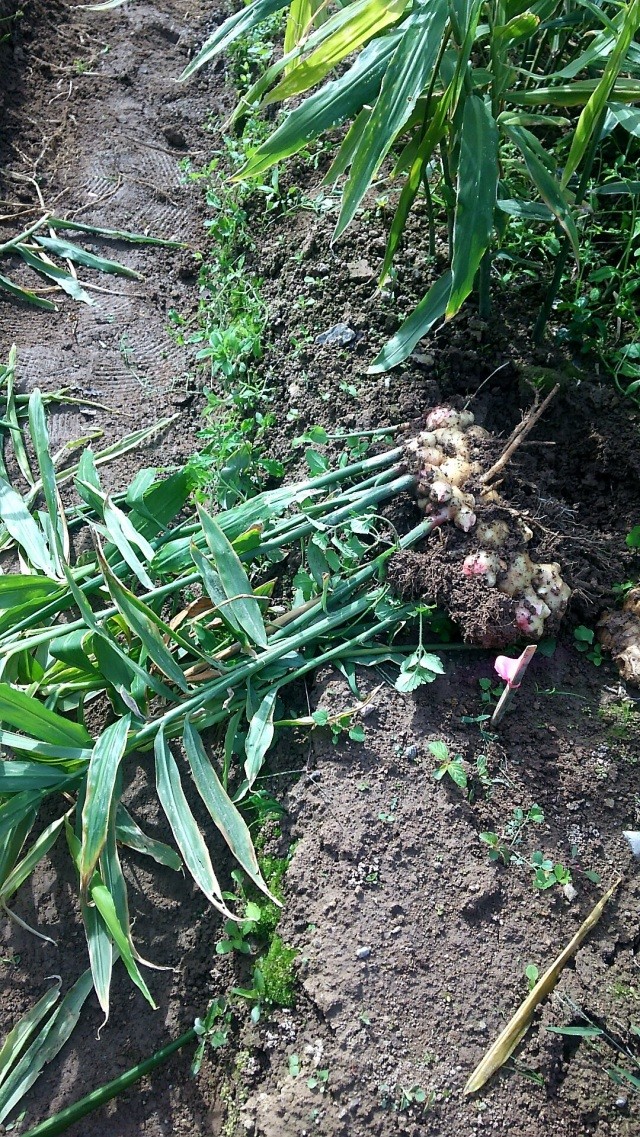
column 518, row 436
column 517, row 1026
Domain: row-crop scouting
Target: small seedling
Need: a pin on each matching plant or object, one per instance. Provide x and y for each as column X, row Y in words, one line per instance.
column 420, row 667
column 414, row 1095
column 490, row 691
column 599, row 1042
column 583, row 639
column 453, row 766
column 482, row 776
column 338, row 724
column 212, row 1031
column 519, row 820
column 527, row 1073
column 389, row 815
column 254, row 995
column 547, row 872
column 531, row 975
column 504, row 847
column 236, row 937
column 498, row 851
column 294, row 1065
column 318, row 1080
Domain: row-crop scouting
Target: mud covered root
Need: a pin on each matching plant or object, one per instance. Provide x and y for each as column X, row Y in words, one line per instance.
column 481, row 570
column 619, row 633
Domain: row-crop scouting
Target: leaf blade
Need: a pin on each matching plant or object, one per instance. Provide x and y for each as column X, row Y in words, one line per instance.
column 235, row 582
column 188, row 837
column 431, row 308
column 476, row 198
column 223, row 812
column 103, row 769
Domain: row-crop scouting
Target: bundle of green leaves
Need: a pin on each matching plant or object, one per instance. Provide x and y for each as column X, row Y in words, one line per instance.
column 474, row 99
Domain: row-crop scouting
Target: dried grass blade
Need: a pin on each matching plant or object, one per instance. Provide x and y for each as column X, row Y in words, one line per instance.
column 517, row 1026
column 12, row 418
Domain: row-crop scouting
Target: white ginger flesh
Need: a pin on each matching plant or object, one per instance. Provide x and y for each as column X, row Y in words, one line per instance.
column 446, row 459
column 445, row 463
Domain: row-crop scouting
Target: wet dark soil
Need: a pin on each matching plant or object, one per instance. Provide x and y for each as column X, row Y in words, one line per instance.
column 413, row 944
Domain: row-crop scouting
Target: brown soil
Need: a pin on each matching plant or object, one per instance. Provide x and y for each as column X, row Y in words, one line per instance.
column 412, row 943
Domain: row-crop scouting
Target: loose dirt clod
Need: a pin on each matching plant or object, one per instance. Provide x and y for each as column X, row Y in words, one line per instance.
column 482, row 571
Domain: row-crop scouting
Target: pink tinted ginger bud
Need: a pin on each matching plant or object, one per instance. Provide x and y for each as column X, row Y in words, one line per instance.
column 529, row 622
column 482, row 563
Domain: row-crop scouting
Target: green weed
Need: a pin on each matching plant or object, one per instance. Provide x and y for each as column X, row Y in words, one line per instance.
column 583, row 640
column 490, row 690
column 504, row 847
column 451, row 766
column 531, row 975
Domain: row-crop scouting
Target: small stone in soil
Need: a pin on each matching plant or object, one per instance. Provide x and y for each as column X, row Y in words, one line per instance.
column 337, row 336
column 569, row 892
column 360, row 270
column 423, row 359
column 363, row 953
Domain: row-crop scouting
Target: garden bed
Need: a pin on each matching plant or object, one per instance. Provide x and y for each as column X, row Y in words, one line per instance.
column 412, row 943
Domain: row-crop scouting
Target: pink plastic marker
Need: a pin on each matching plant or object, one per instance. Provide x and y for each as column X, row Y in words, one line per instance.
column 511, row 670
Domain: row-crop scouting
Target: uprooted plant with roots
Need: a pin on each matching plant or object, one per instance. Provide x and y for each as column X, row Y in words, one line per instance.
column 481, row 569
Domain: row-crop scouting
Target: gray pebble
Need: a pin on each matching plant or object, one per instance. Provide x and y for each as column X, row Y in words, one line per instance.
column 337, row 336
column 363, row 953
